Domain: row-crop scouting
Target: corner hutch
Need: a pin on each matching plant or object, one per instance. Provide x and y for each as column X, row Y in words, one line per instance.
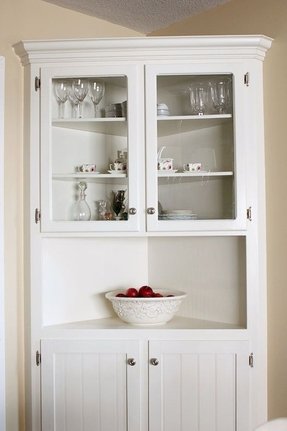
column 198, row 227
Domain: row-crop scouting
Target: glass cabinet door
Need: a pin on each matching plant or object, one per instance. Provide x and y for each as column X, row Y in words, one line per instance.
column 195, row 141
column 89, row 156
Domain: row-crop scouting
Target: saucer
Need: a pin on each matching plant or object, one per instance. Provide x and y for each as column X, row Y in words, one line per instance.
column 117, row 172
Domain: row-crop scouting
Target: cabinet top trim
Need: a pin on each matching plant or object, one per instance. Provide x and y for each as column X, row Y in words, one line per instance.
column 143, row 48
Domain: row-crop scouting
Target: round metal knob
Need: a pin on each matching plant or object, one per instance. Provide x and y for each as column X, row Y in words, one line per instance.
column 132, row 211
column 131, row 362
column 154, row 361
column 150, row 211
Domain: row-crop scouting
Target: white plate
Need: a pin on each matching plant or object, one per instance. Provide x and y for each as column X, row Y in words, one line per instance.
column 166, row 172
column 117, row 172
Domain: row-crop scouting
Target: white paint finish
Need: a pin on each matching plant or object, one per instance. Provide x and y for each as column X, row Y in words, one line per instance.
column 88, row 385
column 141, row 15
column 2, row 338
column 99, row 265
column 195, row 386
column 248, row 50
column 218, row 294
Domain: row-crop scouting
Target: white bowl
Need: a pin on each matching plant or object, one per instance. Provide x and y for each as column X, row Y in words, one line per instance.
column 146, row 311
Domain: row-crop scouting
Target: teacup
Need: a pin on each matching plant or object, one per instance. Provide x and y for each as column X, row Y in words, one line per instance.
column 87, row 167
column 165, row 164
column 192, row 167
column 118, row 166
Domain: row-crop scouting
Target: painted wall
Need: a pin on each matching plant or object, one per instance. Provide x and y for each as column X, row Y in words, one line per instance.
column 26, row 19
column 269, row 18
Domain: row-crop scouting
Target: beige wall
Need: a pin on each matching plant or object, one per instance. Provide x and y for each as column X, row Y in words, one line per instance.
column 26, row 19
column 269, row 18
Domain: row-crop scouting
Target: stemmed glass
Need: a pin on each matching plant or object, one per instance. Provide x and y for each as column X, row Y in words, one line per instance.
column 74, row 102
column 220, row 95
column 198, row 98
column 80, row 90
column 97, row 91
column 61, row 94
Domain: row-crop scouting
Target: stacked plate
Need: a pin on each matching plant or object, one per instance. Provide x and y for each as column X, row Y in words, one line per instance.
column 162, row 109
column 177, row 215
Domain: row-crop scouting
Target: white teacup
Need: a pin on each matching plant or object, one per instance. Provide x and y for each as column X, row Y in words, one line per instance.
column 87, row 167
column 192, row 167
column 118, row 166
column 165, row 164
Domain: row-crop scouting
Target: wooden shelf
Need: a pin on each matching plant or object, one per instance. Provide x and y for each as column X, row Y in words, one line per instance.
column 109, row 126
column 200, row 174
column 87, row 176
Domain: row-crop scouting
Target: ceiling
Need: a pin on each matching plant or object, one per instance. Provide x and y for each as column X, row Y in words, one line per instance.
column 143, row 16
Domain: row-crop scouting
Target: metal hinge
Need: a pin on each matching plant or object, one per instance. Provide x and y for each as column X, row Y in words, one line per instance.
column 251, row 360
column 246, row 79
column 249, row 214
column 37, row 83
column 38, row 358
column 37, row 215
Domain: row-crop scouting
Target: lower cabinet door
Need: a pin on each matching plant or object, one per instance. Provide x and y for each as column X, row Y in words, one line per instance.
column 91, row 385
column 198, row 386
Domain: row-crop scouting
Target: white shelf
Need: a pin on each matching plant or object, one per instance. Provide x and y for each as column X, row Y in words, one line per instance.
column 174, row 124
column 111, row 125
column 193, row 117
column 115, row 323
column 86, row 176
column 196, row 174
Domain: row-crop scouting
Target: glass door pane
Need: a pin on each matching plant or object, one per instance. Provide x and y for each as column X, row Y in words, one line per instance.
column 85, row 152
column 195, row 141
column 195, row 147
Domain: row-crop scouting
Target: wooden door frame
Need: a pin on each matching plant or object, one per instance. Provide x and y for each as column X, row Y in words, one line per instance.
column 2, row 332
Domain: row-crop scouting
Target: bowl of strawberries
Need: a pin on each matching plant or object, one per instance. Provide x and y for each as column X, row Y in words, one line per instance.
column 145, row 306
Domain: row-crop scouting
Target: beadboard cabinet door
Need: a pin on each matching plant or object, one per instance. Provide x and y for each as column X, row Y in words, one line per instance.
column 198, row 386
column 90, row 385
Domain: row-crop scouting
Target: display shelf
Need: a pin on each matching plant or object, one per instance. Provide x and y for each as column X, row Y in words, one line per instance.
column 174, row 124
column 87, row 176
column 195, row 174
column 115, row 323
column 111, row 126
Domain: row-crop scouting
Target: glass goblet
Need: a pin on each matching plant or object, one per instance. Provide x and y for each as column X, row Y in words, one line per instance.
column 74, row 102
column 97, row 91
column 220, row 95
column 61, row 94
column 198, row 98
column 80, row 90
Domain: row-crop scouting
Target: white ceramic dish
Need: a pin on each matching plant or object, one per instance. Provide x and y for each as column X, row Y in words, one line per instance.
column 117, row 172
column 146, row 311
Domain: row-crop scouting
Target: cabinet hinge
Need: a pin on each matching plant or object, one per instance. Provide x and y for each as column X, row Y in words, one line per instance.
column 249, row 213
column 251, row 360
column 37, row 83
column 37, row 215
column 38, row 358
column 246, row 79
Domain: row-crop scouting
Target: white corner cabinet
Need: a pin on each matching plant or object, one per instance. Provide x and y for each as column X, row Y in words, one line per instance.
column 145, row 165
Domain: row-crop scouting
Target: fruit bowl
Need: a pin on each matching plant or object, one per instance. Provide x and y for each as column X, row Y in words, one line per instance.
column 146, row 310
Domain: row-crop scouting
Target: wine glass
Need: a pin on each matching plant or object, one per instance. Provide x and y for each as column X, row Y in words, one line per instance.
column 97, row 91
column 220, row 95
column 61, row 94
column 198, row 95
column 74, row 102
column 80, row 90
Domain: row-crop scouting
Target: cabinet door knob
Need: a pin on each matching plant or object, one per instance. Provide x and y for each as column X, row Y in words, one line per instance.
column 150, row 211
column 154, row 361
column 131, row 362
column 132, row 211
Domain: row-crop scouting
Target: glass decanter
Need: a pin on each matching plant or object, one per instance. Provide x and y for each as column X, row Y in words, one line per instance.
column 82, row 210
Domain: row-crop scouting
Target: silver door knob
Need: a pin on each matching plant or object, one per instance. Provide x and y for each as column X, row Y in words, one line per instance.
column 131, row 362
column 154, row 361
column 150, row 211
column 132, row 211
